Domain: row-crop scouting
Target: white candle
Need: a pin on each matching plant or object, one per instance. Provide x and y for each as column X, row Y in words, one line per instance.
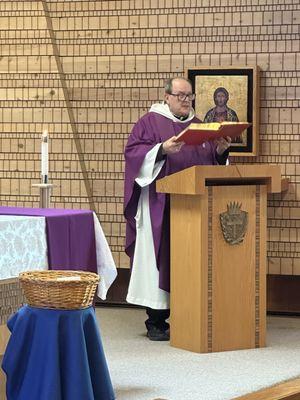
column 44, row 157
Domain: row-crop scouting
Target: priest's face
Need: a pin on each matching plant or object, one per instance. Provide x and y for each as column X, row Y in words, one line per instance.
column 181, row 89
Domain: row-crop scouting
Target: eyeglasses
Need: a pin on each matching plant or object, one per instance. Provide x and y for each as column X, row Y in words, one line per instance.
column 183, row 96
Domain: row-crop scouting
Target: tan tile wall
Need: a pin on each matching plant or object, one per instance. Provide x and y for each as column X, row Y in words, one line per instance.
column 86, row 70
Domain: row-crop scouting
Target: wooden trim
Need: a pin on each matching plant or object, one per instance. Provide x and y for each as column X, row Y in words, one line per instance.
column 262, row 267
column 257, row 264
column 289, row 390
column 209, row 270
column 194, row 180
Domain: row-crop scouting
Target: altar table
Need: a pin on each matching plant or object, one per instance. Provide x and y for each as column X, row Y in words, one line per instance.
column 38, row 238
column 42, row 238
column 75, row 240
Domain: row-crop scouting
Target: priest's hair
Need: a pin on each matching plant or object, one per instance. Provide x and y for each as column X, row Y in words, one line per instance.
column 169, row 83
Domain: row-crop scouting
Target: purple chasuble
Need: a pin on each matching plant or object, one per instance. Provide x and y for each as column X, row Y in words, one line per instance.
column 150, row 130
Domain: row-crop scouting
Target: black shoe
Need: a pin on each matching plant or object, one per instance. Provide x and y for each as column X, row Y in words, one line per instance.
column 157, row 334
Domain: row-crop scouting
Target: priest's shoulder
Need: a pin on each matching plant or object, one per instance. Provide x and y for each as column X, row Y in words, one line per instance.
column 149, row 117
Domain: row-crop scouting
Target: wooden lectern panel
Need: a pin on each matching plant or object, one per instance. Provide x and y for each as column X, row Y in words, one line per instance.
column 189, row 272
column 217, row 289
column 237, row 272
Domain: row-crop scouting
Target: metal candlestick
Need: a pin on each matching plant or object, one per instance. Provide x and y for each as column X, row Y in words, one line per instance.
column 45, row 192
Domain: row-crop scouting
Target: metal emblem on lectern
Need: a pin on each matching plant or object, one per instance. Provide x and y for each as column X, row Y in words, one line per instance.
column 234, row 223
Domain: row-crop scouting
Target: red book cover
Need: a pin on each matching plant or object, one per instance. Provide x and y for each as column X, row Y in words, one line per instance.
column 199, row 133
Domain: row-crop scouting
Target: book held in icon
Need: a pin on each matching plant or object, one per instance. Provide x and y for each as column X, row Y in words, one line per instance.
column 196, row 134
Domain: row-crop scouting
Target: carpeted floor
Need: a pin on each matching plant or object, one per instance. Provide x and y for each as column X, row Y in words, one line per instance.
column 145, row 370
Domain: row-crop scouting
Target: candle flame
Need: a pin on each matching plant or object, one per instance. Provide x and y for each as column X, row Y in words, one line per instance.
column 45, row 136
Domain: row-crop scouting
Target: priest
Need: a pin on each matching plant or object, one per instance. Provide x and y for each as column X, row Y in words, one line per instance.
column 151, row 153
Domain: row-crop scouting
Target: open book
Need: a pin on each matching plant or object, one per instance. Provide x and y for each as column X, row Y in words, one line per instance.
column 200, row 133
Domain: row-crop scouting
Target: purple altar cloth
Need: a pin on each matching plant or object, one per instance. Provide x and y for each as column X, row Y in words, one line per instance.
column 70, row 236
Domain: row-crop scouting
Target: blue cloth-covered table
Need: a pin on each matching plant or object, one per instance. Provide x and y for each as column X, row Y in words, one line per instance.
column 55, row 355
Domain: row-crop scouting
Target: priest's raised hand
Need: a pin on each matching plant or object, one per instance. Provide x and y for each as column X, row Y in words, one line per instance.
column 171, row 146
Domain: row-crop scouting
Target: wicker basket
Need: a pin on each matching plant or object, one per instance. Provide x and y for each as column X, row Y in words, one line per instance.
column 67, row 290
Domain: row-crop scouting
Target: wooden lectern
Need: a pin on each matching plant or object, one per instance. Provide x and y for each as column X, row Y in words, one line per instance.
column 218, row 280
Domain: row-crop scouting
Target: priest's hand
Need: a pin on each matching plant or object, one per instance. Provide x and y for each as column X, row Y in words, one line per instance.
column 170, row 146
column 223, row 144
